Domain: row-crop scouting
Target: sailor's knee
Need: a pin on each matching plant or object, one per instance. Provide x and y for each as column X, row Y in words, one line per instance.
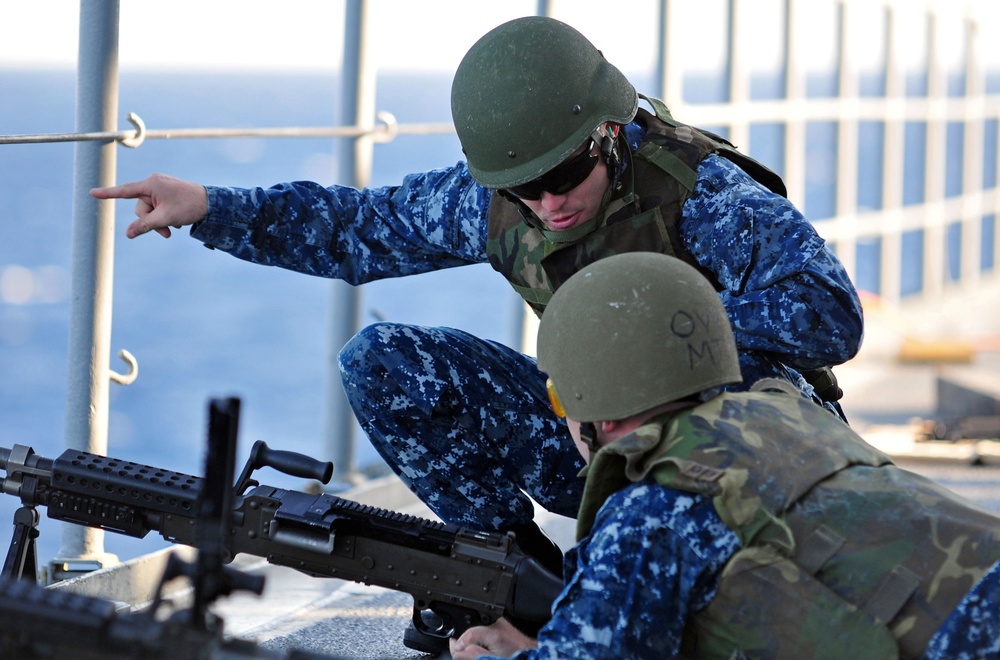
column 365, row 346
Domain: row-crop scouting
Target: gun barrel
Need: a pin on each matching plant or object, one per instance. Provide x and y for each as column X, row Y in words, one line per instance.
column 107, row 493
column 122, row 496
column 20, row 462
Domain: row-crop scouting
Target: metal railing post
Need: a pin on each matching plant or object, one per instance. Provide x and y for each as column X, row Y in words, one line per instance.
column 355, row 158
column 92, row 262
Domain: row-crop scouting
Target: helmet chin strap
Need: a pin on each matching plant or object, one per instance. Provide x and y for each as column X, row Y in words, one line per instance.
column 618, row 158
column 588, row 436
column 611, row 149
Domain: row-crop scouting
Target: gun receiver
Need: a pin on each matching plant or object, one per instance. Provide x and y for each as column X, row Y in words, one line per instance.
column 467, row 577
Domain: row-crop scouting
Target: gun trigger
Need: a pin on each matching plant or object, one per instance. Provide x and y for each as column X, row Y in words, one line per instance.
column 431, row 623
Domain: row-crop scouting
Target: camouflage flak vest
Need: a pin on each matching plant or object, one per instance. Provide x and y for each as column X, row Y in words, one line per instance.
column 643, row 217
column 843, row 554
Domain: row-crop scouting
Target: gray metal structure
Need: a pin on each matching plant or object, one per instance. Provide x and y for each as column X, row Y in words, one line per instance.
column 93, row 255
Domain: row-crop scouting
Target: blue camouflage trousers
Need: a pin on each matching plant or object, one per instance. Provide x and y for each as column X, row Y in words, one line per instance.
column 464, row 422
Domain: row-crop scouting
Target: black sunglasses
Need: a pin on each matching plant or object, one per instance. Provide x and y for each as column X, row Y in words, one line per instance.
column 562, row 178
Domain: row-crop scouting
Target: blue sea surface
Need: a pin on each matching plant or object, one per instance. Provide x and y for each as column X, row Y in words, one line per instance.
column 200, row 323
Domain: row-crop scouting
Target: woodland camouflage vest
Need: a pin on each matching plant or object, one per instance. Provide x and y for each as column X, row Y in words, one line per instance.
column 843, row 554
column 645, row 217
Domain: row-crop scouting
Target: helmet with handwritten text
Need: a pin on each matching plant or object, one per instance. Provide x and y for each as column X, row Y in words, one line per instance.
column 631, row 332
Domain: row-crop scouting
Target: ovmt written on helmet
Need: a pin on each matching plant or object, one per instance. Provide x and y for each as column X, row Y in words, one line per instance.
column 633, row 331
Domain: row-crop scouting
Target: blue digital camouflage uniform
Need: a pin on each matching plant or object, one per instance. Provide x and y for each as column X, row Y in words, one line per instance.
column 466, row 422
column 654, row 555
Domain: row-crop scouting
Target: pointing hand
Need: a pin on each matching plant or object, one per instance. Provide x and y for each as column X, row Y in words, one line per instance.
column 162, row 202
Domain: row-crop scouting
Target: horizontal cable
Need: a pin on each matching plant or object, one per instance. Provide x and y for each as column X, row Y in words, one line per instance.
column 383, row 132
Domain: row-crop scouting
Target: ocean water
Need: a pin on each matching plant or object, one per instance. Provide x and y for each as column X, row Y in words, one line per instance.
column 200, row 323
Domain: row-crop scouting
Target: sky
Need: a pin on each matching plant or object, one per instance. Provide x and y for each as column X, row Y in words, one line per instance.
column 251, row 34
column 410, row 34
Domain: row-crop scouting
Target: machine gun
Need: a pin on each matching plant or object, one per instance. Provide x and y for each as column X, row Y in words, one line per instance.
column 466, row 577
column 44, row 623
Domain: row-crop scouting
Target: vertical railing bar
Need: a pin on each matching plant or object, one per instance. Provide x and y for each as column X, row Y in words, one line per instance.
column 933, row 223
column 847, row 141
column 92, row 258
column 739, row 92
column 355, row 163
column 890, row 280
column 660, row 63
column 972, row 158
column 670, row 69
column 795, row 156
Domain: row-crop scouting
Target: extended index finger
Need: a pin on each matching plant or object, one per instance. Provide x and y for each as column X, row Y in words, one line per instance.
column 124, row 191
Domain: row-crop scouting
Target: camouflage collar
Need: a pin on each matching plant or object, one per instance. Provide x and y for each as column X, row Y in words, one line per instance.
column 620, row 463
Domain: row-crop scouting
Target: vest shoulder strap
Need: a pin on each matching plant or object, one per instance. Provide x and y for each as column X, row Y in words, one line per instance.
column 670, row 163
column 760, row 172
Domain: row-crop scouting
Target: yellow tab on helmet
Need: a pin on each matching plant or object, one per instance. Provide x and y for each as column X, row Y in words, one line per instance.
column 557, row 406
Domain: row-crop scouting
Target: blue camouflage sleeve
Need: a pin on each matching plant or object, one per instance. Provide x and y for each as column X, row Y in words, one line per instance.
column 653, row 556
column 786, row 293
column 432, row 220
column 972, row 631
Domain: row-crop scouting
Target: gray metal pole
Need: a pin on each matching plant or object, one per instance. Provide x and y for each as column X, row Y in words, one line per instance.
column 92, row 255
column 357, row 108
column 660, row 68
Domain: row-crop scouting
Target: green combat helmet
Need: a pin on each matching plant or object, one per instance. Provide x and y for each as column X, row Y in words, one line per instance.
column 528, row 94
column 631, row 332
